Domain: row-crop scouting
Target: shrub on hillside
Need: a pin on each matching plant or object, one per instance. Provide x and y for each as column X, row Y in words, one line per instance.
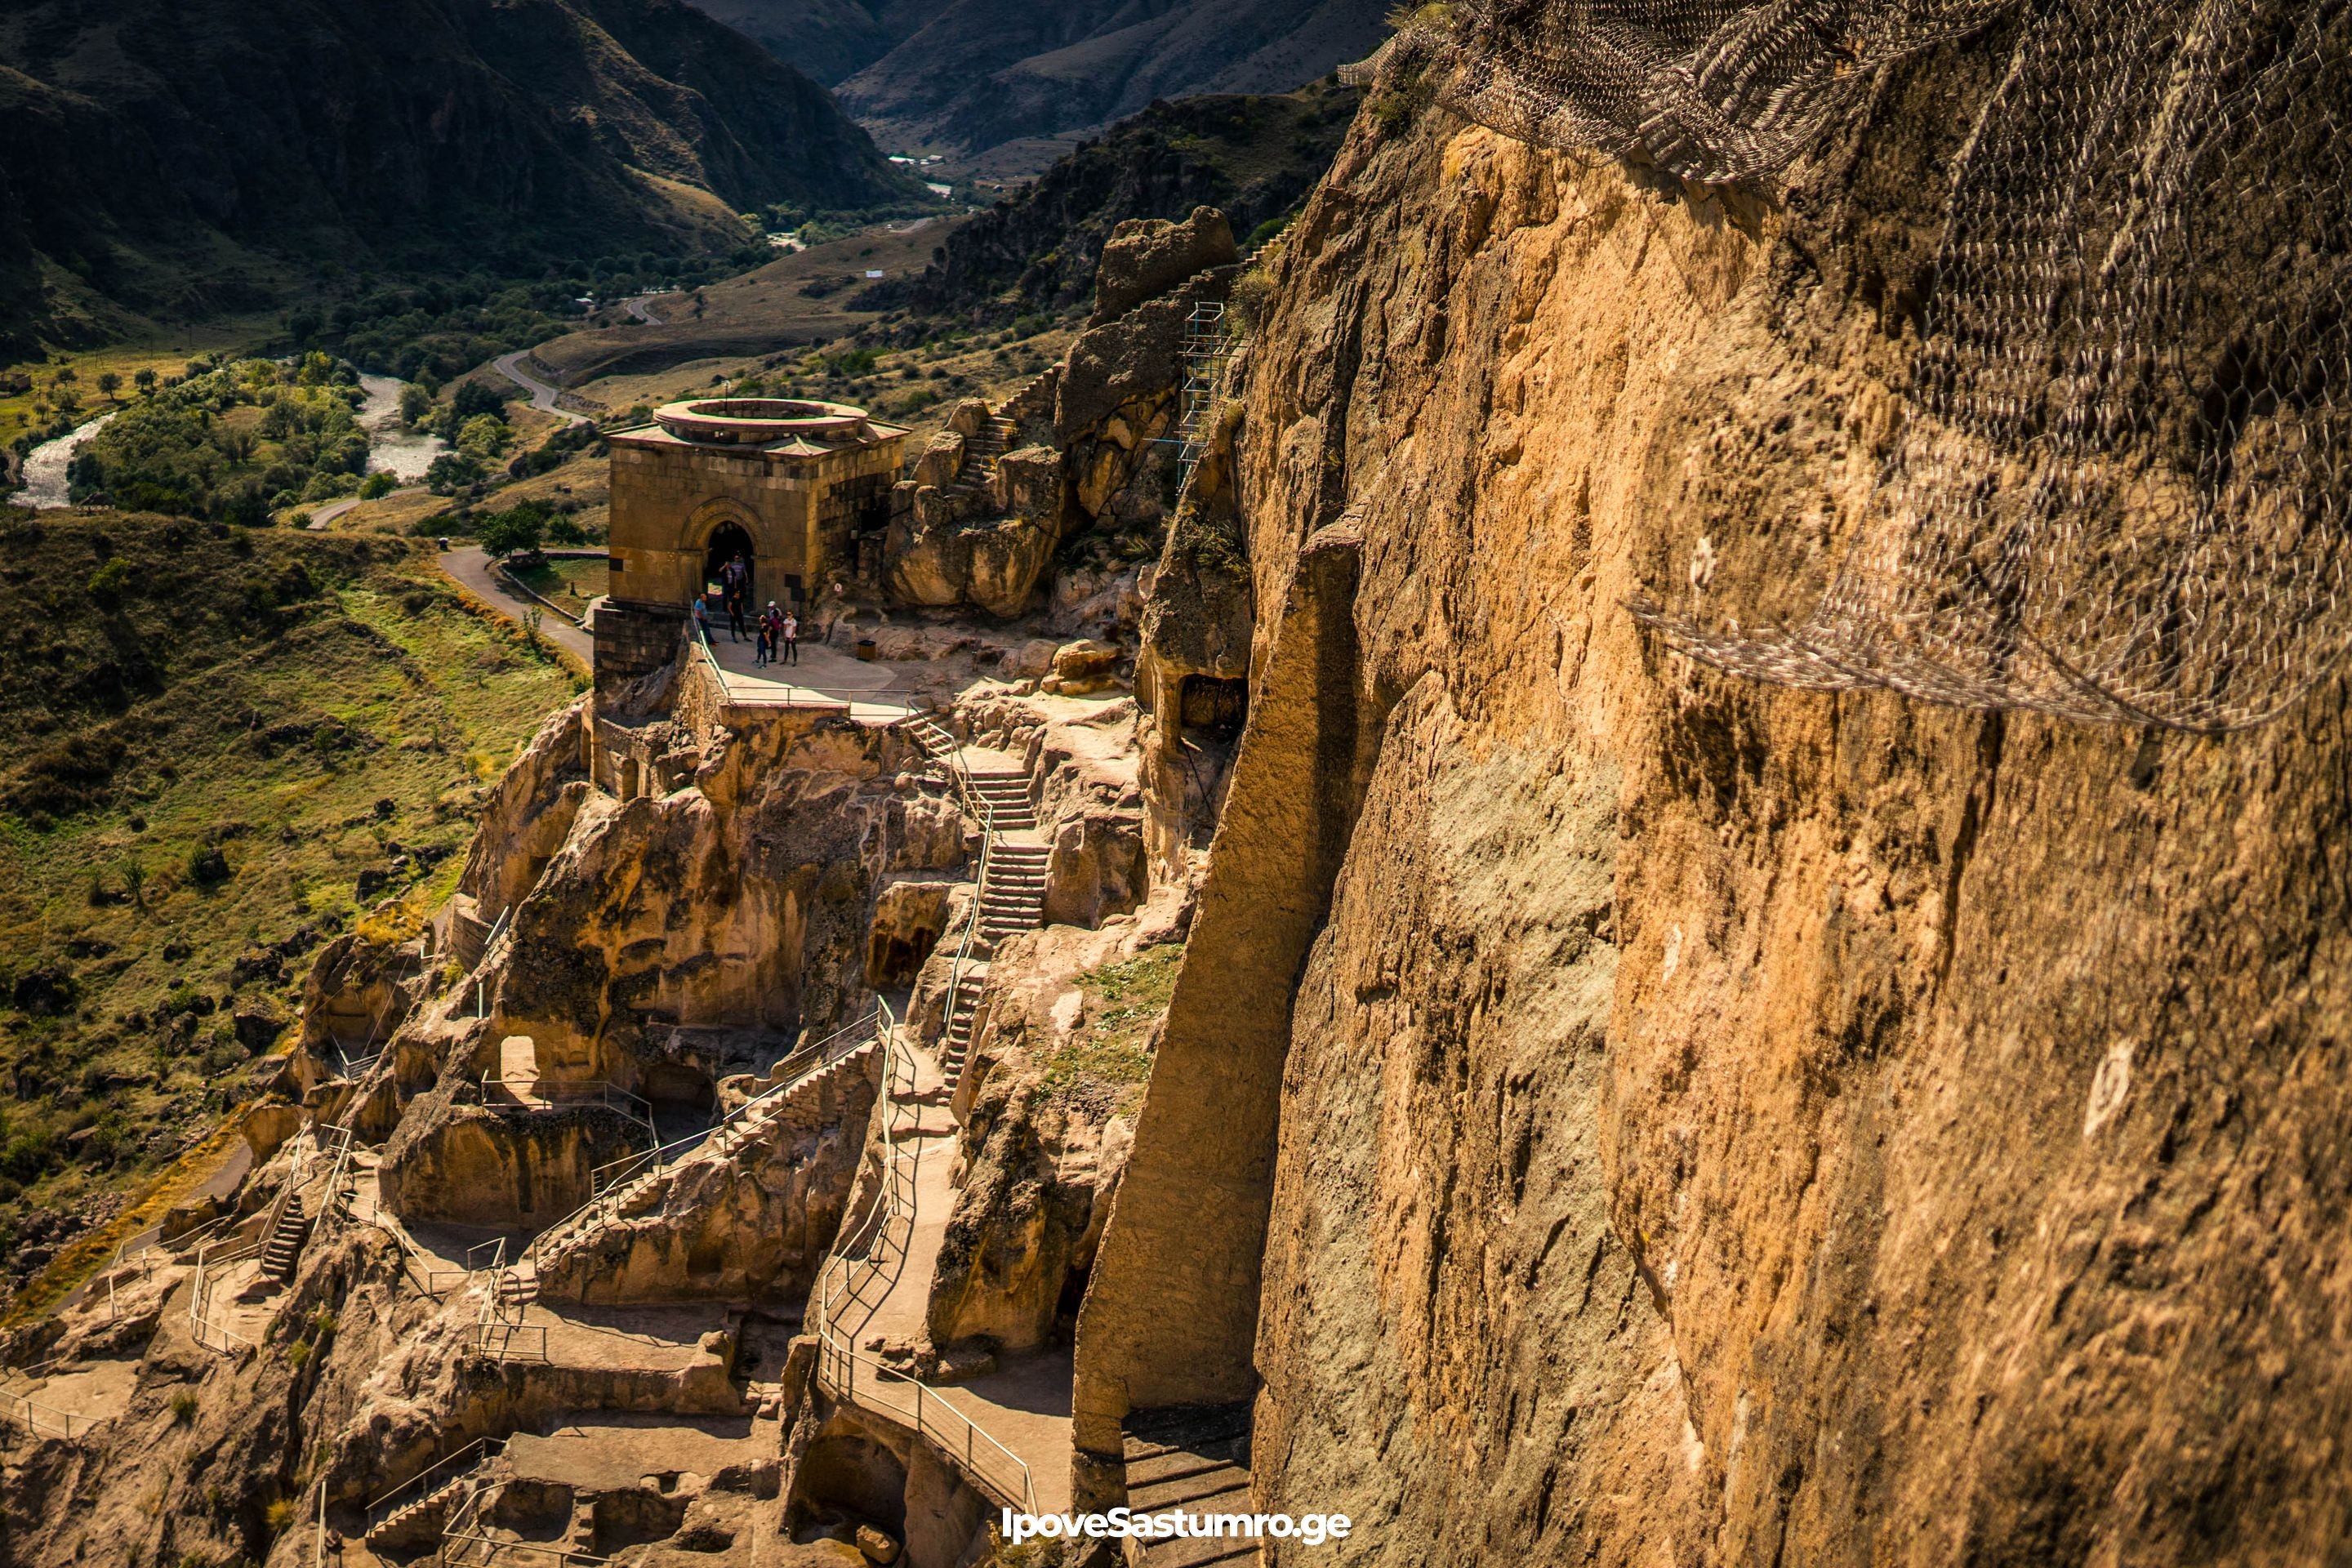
column 474, row 399
column 516, row 530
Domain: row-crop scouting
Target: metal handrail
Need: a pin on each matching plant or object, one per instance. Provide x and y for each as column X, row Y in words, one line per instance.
column 839, row 1360
column 565, row 1232
column 199, row 1290
column 702, row 637
column 481, row 987
column 23, row 1413
column 488, row 1447
column 793, row 1068
column 980, row 807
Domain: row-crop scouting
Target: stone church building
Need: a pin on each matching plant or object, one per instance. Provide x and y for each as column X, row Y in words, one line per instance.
column 789, row 486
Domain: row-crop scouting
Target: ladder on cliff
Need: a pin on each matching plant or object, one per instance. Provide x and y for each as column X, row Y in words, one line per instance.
column 1208, row 346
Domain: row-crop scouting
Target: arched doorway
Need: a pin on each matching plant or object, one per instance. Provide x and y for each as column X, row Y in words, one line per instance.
column 728, row 541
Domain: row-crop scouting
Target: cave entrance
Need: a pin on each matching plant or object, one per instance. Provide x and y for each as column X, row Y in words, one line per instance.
column 674, row 1086
column 1211, row 709
column 847, row 1475
column 893, row 958
column 728, row 541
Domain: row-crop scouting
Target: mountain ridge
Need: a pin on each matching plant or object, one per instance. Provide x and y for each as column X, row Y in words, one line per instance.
column 176, row 159
column 971, row 75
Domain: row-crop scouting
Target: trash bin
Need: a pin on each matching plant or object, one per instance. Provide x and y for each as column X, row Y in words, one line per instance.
column 865, row 649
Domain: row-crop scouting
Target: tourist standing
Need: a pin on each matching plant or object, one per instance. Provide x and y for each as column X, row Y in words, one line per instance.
column 735, row 581
column 792, row 638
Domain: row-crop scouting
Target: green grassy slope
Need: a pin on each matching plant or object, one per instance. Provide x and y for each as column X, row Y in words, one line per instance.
column 208, row 737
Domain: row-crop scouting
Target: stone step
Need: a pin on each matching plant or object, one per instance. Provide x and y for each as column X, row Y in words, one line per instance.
column 284, row 1248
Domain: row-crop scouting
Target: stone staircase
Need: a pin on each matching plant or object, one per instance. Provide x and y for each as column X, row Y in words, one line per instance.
column 1011, row 900
column 1007, row 794
column 981, row 452
column 1035, row 398
column 642, row 1194
column 956, row 1044
column 417, row 1523
column 283, row 1248
column 1012, row 897
column 1192, row 1460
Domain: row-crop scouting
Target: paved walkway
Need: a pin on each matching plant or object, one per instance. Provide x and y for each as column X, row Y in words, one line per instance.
column 471, row 568
column 1025, row 1404
column 543, row 395
column 824, row 676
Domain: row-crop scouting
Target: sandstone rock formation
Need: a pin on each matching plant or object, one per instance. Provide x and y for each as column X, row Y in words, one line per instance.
column 1714, row 1122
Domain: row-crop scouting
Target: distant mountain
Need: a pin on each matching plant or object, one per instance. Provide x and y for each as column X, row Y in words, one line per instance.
column 1251, row 157
column 972, row 74
column 828, row 39
column 183, row 157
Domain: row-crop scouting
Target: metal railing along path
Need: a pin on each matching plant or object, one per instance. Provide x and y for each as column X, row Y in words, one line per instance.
column 448, row 1468
column 851, row 1376
column 983, row 811
column 500, row 1322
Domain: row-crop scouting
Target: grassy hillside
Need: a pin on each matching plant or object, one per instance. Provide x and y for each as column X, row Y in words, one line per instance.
column 214, row 738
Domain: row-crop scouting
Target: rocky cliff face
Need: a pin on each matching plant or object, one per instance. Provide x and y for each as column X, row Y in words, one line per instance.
column 1713, row 1121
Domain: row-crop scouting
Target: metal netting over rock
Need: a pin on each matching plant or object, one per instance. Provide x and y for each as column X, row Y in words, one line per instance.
column 2123, row 472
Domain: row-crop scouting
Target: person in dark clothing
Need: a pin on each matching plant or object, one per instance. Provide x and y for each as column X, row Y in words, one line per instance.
column 735, row 581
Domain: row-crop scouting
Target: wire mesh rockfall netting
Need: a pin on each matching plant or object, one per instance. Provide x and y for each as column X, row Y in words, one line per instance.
column 2123, row 473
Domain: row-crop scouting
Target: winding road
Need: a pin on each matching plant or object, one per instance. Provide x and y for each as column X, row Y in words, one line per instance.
column 472, row 569
column 543, row 395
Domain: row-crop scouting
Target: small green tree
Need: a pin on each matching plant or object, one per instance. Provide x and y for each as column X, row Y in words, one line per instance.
column 109, row 383
column 474, row 399
column 416, row 403
column 144, row 378
column 483, row 436
column 517, row 529
column 110, row 583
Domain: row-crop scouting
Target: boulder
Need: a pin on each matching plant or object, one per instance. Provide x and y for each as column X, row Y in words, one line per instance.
column 1147, row 256
column 1029, row 483
column 1031, row 659
column 940, row 461
column 876, row 1546
column 1084, row 659
column 268, row 1126
column 994, row 563
column 257, row 1027
column 1098, row 868
column 1136, row 360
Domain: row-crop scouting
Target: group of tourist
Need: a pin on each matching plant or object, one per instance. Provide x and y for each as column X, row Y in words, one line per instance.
column 778, row 630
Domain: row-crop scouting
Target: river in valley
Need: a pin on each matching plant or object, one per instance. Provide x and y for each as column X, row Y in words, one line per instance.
column 404, row 454
column 45, row 467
